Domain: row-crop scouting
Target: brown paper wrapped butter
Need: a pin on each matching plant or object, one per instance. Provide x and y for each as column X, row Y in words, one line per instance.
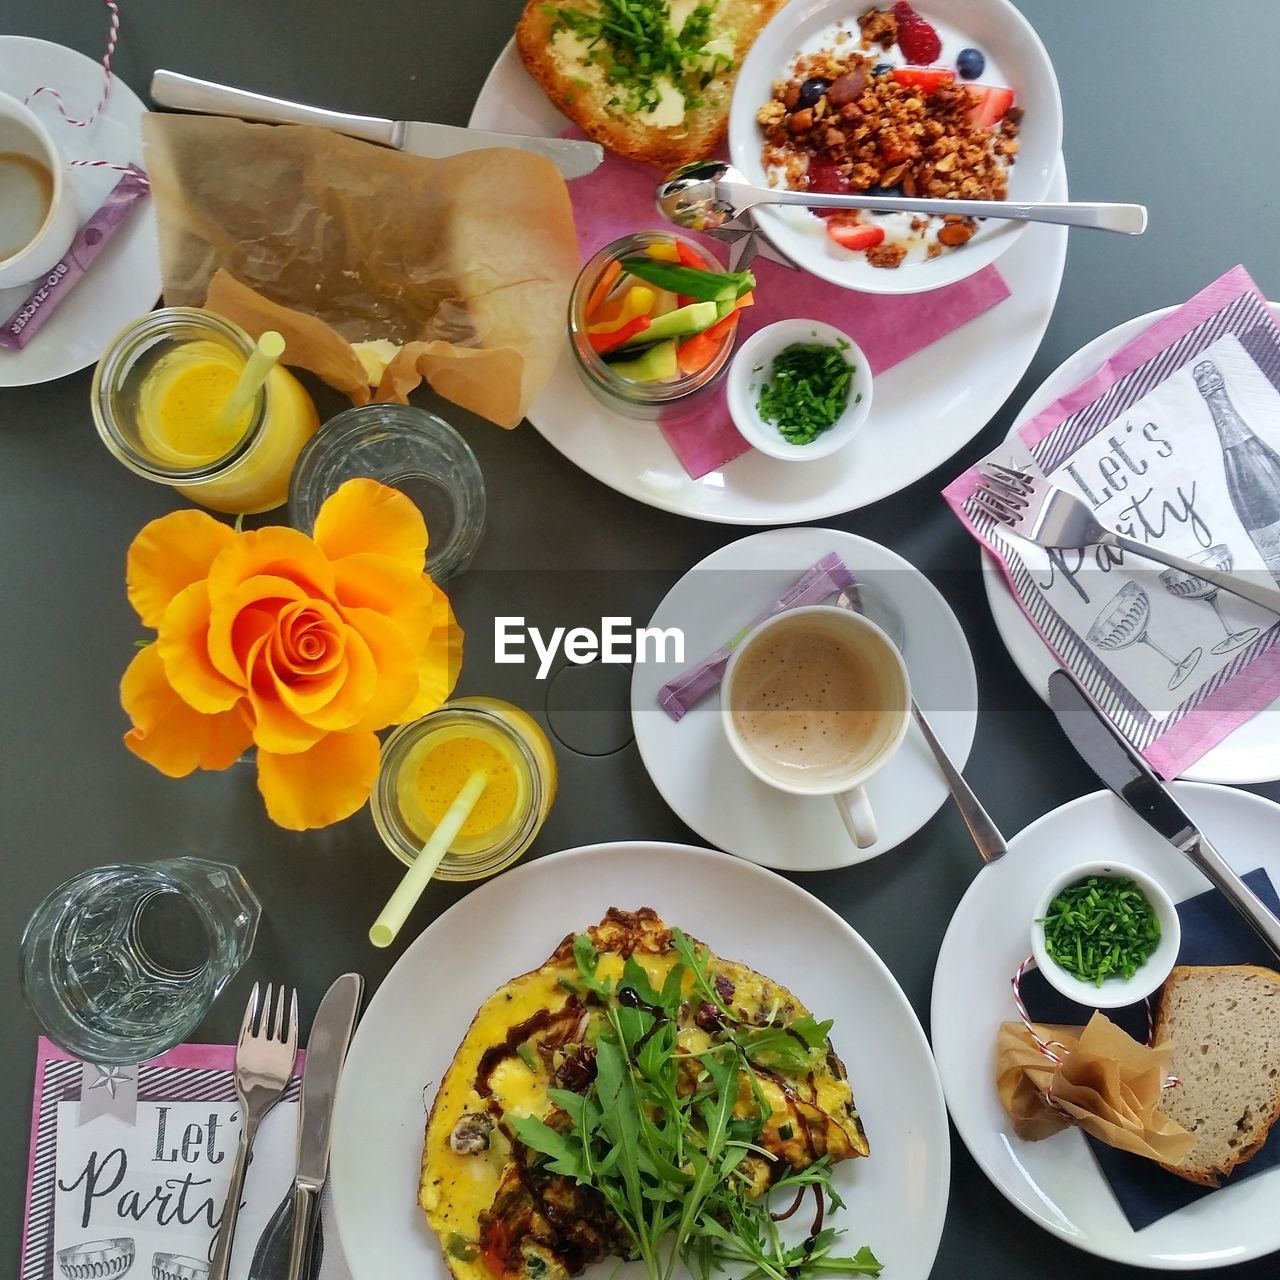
column 1107, row 1083
column 465, row 263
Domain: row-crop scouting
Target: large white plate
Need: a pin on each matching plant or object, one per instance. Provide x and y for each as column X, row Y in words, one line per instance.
column 925, row 408
column 692, row 764
column 1252, row 752
column 1056, row 1182
column 124, row 282
column 896, row 1199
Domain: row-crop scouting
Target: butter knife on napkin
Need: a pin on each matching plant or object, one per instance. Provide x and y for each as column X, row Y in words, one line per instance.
column 1123, row 769
column 574, row 158
column 326, row 1052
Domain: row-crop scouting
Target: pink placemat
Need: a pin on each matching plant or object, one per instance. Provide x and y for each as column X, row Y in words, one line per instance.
column 1174, row 440
column 618, row 199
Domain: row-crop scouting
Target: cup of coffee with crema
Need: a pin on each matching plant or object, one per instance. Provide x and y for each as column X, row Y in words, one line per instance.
column 815, row 701
column 37, row 205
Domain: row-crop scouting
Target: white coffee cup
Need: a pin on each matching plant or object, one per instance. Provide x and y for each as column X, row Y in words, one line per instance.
column 869, row 719
column 22, row 133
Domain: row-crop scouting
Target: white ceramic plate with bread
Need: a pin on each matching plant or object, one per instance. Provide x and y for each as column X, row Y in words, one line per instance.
column 1056, row 1182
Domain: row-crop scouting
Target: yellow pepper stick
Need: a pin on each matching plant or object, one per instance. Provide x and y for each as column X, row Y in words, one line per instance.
column 255, row 372
column 664, row 251
column 637, row 301
column 416, row 879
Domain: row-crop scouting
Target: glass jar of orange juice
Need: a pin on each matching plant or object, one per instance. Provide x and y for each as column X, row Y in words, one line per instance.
column 425, row 764
column 157, row 399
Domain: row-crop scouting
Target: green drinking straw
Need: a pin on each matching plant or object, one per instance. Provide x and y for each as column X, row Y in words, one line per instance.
column 257, row 369
column 409, row 890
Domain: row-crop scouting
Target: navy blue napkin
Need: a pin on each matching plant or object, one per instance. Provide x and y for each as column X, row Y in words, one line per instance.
column 1212, row 933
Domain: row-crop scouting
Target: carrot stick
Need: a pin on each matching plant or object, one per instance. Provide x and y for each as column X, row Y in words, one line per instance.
column 608, row 278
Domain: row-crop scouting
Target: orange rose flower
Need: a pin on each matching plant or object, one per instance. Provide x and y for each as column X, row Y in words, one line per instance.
column 302, row 646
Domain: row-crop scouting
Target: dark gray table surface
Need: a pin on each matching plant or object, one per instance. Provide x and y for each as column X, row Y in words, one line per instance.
column 1158, row 109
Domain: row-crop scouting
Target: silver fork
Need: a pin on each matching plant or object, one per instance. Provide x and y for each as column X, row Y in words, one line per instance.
column 1050, row 517
column 986, row 835
column 264, row 1064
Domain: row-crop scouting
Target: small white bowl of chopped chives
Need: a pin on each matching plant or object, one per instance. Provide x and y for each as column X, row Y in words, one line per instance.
column 799, row 390
column 1105, row 935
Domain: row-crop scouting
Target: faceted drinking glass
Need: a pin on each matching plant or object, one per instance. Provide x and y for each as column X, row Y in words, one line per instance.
column 122, row 962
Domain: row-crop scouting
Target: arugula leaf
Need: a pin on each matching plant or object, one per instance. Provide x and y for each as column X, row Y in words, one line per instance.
column 587, row 959
column 565, row 1152
column 634, row 976
column 799, row 1047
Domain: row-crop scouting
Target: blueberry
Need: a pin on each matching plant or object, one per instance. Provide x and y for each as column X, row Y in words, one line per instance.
column 811, row 91
column 882, row 191
column 970, row 64
column 882, row 68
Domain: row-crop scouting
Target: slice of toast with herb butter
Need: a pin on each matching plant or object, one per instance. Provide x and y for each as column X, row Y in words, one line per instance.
column 648, row 79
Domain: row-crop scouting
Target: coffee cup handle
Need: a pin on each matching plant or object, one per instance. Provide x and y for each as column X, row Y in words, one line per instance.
column 855, row 812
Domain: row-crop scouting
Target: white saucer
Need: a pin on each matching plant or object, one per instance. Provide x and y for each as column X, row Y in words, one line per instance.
column 1056, row 1182
column 692, row 764
column 1252, row 752
column 124, row 282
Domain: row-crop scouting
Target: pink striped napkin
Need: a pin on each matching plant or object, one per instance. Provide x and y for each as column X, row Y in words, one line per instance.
column 1175, row 441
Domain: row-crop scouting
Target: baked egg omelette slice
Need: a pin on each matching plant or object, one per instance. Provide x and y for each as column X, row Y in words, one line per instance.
column 499, row 1213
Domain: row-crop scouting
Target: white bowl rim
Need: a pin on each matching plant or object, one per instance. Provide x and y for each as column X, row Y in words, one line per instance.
column 767, row 439
column 1115, row 993
column 916, row 276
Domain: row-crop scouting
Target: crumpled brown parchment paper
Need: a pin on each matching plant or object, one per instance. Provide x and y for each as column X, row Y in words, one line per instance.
column 465, row 263
column 1108, row 1084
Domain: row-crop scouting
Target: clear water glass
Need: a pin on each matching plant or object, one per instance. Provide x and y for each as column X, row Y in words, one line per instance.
column 405, row 448
column 122, row 962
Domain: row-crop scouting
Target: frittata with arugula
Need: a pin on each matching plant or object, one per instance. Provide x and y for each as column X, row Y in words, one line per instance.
column 638, row 1097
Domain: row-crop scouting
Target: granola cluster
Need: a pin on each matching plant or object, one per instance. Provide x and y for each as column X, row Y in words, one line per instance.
column 878, row 26
column 838, row 124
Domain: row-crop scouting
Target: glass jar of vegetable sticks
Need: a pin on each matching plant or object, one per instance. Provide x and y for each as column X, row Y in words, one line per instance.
column 605, row 294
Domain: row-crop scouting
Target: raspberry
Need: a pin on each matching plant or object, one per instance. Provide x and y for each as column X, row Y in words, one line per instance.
column 916, row 38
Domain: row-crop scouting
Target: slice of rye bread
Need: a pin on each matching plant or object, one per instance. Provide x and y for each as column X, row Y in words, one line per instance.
column 1224, row 1023
column 582, row 95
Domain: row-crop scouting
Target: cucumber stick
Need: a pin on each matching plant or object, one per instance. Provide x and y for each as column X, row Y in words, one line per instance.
column 680, row 323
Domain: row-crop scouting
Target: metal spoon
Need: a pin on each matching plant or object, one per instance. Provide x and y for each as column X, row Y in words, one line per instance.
column 986, row 835
column 708, row 193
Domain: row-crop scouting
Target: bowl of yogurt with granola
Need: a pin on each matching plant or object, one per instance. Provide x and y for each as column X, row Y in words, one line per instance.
column 956, row 99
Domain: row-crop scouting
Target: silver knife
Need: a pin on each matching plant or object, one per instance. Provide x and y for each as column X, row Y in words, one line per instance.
column 326, row 1051
column 1123, row 769
column 574, row 158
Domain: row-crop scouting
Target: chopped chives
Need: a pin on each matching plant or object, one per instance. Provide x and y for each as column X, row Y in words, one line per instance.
column 807, row 390
column 1101, row 927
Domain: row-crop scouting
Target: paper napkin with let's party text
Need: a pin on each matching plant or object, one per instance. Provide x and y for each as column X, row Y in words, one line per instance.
column 617, row 199
column 1175, row 441
column 133, row 1163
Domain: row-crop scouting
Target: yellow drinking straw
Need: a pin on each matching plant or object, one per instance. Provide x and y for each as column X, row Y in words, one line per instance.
column 409, row 890
column 255, row 372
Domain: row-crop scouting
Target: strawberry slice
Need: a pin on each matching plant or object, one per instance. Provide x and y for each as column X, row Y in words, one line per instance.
column 825, row 176
column 855, row 235
column 917, row 39
column 926, row 79
column 990, row 102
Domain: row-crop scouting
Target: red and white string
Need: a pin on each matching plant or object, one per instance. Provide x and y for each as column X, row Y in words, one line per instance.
column 1048, row 1047
column 113, row 37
